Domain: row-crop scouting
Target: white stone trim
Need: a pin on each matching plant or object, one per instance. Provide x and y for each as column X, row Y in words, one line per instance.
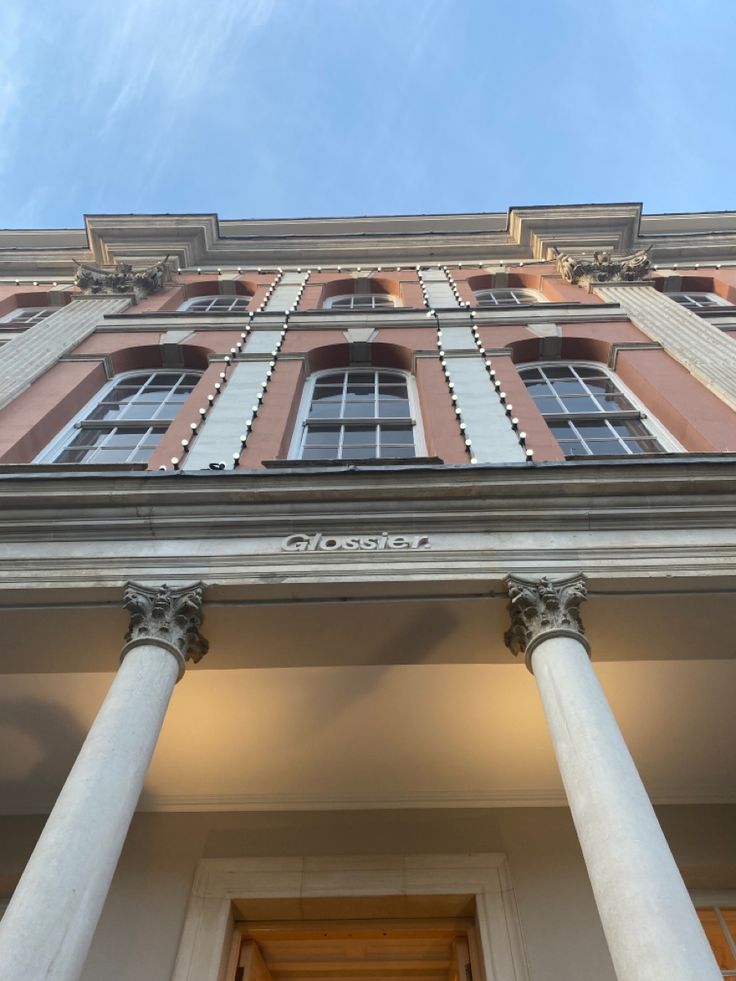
column 29, row 354
column 701, row 347
column 205, row 940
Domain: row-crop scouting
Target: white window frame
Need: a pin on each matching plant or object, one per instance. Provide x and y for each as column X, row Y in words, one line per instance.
column 332, row 300
column 654, row 427
column 20, row 312
column 415, row 419
column 61, row 440
column 718, row 899
column 698, row 299
column 521, row 296
column 235, row 298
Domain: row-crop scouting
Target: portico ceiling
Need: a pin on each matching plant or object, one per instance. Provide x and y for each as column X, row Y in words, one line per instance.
column 374, row 736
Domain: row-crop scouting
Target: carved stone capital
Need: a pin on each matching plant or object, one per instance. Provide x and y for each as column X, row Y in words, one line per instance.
column 543, row 607
column 170, row 618
column 122, row 278
column 602, row 267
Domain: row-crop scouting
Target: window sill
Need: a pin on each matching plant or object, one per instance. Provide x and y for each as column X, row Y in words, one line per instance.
column 70, row 467
column 399, row 461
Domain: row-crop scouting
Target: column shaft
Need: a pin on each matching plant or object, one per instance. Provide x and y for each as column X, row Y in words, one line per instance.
column 48, row 926
column 651, row 927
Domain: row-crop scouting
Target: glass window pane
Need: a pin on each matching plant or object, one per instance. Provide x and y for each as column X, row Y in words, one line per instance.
column 322, row 392
column 538, row 388
column 88, row 437
column 613, row 403
column 105, row 411
column 558, row 371
column 361, row 378
column 397, row 451
column 589, row 371
column 72, row 456
column 367, row 452
column 605, row 447
column 580, row 403
column 393, row 409
column 593, row 430
column 547, row 406
column 403, row 435
column 322, row 436
column 629, row 427
column 568, row 386
column 325, row 409
column 359, row 435
column 112, row 454
column 334, row 379
column 643, row 445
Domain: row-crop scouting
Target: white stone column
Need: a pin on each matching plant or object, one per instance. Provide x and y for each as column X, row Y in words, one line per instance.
column 649, row 921
column 48, row 926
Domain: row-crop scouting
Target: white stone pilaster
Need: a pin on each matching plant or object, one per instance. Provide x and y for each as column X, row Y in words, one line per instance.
column 699, row 345
column 27, row 356
column 437, row 286
column 651, row 927
column 48, row 926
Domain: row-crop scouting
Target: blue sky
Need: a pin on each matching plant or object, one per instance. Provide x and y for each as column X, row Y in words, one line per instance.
column 274, row 108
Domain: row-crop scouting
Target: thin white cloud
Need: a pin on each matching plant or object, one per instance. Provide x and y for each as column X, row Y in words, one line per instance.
column 12, row 79
column 153, row 57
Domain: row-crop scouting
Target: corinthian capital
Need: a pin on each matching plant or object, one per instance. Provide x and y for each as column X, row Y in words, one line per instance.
column 168, row 617
column 539, row 607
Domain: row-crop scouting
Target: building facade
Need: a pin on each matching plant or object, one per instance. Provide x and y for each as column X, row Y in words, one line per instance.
column 452, row 500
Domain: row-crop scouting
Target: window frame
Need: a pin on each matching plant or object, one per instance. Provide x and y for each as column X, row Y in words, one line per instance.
column 534, row 297
column 638, row 410
column 693, row 304
column 300, row 426
column 186, row 306
column 63, row 438
column 330, row 301
column 16, row 315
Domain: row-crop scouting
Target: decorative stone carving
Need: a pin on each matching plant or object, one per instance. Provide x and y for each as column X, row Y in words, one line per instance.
column 121, row 278
column 171, row 617
column 539, row 606
column 603, row 268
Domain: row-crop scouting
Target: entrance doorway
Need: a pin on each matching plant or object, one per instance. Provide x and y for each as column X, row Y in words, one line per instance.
column 356, row 938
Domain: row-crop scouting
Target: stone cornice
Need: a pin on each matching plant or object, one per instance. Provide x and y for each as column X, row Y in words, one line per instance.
column 654, row 495
column 523, row 234
column 398, row 317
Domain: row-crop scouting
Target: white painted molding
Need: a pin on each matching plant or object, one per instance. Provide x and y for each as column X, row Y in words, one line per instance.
column 208, row 925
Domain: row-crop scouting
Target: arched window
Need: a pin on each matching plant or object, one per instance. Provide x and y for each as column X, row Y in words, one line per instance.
column 23, row 317
column 125, row 421
column 588, row 412
column 698, row 301
column 507, row 297
column 359, row 301
column 356, row 414
column 222, row 303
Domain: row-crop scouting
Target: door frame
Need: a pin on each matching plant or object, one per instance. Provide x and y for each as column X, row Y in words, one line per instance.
column 205, row 946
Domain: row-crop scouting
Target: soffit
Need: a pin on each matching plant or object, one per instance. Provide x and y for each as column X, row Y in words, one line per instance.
column 374, row 736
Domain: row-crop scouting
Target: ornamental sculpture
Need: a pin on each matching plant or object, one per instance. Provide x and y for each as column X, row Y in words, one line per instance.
column 603, row 268
column 173, row 616
column 121, row 278
column 542, row 605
